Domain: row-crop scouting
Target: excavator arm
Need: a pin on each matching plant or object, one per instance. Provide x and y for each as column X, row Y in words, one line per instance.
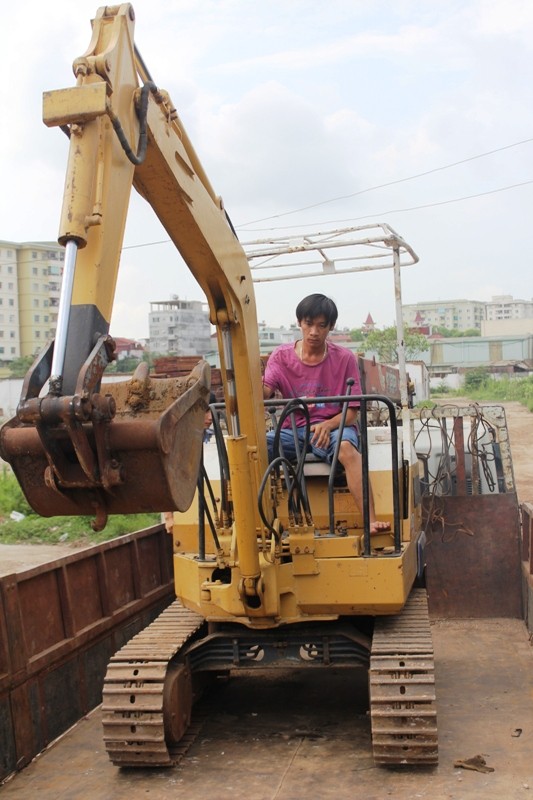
column 75, row 447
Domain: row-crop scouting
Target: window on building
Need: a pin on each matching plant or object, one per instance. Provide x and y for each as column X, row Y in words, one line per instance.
column 34, row 253
column 36, row 318
column 34, row 271
column 10, row 286
column 11, row 334
column 37, row 334
column 11, row 302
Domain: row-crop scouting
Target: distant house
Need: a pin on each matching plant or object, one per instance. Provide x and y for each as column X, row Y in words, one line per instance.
column 340, row 337
column 179, row 327
column 128, row 348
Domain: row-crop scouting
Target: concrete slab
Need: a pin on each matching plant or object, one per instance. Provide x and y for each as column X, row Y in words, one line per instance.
column 290, row 736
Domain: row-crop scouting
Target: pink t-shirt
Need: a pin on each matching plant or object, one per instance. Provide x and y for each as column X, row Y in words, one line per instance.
column 286, row 373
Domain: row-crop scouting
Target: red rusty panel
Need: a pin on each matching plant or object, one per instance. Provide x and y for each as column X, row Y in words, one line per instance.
column 379, row 378
column 527, row 535
column 82, row 577
column 59, row 624
column 473, row 556
column 23, row 728
column 40, row 607
column 460, row 467
column 149, row 558
column 5, row 666
column 119, row 575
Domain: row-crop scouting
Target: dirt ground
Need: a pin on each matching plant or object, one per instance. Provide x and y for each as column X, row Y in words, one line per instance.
column 300, row 736
column 520, row 423
column 16, row 557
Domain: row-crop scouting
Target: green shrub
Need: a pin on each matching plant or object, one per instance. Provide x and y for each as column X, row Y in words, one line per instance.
column 11, row 495
column 505, row 389
column 476, row 378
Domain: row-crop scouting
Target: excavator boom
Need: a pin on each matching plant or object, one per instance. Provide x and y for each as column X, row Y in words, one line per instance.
column 76, row 449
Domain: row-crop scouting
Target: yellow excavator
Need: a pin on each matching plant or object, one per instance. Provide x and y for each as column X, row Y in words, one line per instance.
column 274, row 567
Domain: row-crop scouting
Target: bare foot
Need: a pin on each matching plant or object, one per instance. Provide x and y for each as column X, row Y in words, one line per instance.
column 379, row 527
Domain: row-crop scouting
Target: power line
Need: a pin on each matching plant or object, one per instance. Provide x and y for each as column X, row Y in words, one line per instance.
column 389, row 183
column 394, row 210
column 370, row 189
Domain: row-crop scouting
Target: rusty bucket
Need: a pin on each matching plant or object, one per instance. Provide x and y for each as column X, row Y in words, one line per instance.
column 133, row 447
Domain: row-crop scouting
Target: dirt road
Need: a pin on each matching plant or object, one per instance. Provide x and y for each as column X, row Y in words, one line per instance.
column 520, row 423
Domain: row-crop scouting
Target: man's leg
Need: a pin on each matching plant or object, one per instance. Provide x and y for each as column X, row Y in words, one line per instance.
column 351, row 460
column 287, row 445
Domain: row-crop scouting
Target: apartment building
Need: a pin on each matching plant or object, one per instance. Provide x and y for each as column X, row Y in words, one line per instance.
column 30, row 282
column 179, row 327
column 504, row 306
column 452, row 314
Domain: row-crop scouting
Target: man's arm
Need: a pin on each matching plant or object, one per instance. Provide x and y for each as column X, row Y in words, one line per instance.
column 267, row 391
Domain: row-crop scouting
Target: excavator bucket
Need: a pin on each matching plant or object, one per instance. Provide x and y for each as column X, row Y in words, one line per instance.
column 134, row 447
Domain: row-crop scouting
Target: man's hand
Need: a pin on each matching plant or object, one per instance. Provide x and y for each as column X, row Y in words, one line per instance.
column 320, row 434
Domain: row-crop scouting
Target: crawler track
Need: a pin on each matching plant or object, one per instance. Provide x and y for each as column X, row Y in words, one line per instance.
column 133, row 695
column 402, row 687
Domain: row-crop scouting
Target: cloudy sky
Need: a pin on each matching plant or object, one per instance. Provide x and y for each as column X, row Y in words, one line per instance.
column 307, row 116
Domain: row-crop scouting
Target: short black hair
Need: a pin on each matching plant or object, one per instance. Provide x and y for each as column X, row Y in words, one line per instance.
column 317, row 305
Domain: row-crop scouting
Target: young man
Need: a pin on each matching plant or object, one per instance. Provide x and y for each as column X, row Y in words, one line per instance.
column 314, row 367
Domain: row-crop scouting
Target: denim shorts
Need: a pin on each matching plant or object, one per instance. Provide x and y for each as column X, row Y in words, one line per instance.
column 288, row 447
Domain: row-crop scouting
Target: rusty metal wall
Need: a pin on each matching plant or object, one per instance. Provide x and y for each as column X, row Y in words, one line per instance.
column 59, row 625
column 526, row 510
column 473, row 556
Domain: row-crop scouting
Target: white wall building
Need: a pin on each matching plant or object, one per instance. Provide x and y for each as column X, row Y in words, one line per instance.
column 30, row 281
column 269, row 338
column 179, row 327
column 504, row 306
column 452, row 314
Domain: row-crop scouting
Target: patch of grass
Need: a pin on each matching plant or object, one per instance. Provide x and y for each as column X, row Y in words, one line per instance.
column 72, row 530
column 52, row 530
column 11, row 496
column 505, row 389
column 482, row 387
